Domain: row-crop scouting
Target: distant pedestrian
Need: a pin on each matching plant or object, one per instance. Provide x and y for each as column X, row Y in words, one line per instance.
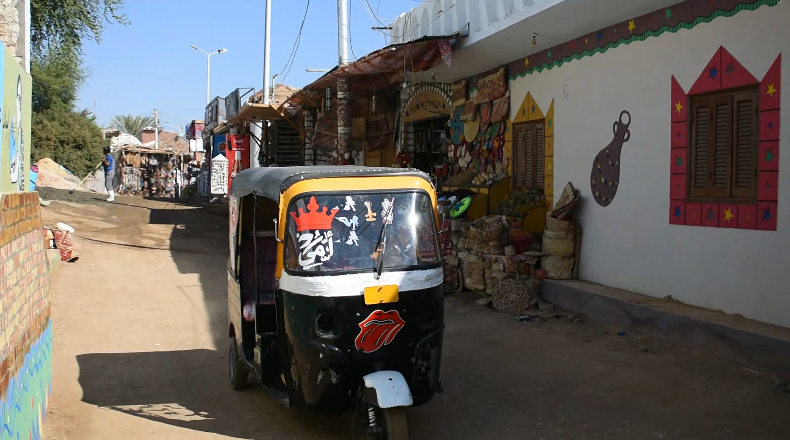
column 109, row 173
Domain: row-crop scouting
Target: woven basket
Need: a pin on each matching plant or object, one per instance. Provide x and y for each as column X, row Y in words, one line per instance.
column 475, row 278
column 559, row 244
column 489, row 282
column 558, row 268
column 552, row 224
column 515, row 294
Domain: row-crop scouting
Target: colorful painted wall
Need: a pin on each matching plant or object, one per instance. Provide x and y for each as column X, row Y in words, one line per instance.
column 15, row 115
column 25, row 325
column 639, row 241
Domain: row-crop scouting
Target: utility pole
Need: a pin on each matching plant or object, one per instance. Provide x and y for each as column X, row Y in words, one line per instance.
column 343, row 87
column 342, row 32
column 156, row 128
column 267, row 51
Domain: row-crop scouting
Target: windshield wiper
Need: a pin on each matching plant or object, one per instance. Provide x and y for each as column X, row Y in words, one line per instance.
column 382, row 241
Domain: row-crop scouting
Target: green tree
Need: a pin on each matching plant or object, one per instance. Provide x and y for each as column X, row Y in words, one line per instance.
column 57, row 77
column 70, row 138
column 132, row 125
column 59, row 28
column 70, row 23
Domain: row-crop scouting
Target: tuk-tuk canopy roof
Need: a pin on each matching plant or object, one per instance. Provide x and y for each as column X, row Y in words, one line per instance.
column 270, row 182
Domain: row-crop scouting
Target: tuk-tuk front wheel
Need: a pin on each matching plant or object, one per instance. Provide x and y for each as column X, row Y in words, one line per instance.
column 391, row 424
column 395, row 425
column 237, row 370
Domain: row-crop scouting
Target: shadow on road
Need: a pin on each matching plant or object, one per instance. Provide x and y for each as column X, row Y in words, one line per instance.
column 199, row 245
column 185, row 389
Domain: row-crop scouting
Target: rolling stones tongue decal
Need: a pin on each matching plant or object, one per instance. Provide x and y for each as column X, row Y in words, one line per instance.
column 378, row 330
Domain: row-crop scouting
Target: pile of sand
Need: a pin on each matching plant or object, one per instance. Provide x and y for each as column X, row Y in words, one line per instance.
column 53, row 175
column 51, row 180
column 56, row 169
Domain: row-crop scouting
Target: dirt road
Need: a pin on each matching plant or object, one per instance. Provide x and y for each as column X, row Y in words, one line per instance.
column 140, row 352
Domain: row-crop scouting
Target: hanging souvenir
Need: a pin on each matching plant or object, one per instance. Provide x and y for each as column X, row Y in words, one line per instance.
column 485, row 116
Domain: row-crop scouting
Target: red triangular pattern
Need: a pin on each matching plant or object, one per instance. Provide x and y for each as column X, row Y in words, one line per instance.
column 773, row 76
column 679, row 97
column 733, row 74
column 710, row 78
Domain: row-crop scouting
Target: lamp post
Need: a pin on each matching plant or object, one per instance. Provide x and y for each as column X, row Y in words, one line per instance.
column 208, row 68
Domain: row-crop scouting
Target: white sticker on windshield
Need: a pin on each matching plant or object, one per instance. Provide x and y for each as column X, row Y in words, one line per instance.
column 387, row 207
column 353, row 239
column 316, row 249
column 351, row 205
column 353, row 223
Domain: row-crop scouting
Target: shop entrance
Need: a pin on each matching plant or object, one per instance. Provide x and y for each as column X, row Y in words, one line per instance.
column 430, row 147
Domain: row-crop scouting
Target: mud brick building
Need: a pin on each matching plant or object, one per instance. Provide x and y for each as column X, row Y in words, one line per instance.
column 25, row 325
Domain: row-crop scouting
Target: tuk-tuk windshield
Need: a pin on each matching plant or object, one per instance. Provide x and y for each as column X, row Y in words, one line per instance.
column 334, row 233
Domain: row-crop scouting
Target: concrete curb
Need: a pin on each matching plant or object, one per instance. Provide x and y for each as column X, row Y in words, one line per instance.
column 747, row 347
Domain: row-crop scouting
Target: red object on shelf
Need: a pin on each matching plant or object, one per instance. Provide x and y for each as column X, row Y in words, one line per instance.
column 520, row 239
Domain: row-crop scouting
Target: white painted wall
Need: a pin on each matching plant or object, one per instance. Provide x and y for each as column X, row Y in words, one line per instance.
column 631, row 244
column 446, row 17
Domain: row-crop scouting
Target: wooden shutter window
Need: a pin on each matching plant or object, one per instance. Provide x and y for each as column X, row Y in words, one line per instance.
column 700, row 130
column 711, row 153
column 744, row 163
column 529, row 174
column 528, row 156
column 724, row 146
column 519, row 159
column 722, row 149
column 540, row 154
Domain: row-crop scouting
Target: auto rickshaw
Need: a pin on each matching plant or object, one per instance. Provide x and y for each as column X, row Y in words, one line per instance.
column 335, row 290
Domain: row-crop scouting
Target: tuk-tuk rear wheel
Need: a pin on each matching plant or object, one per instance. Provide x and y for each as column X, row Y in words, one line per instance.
column 395, row 424
column 237, row 370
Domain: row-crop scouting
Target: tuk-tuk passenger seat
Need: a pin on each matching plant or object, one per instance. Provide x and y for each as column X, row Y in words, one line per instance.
column 267, row 264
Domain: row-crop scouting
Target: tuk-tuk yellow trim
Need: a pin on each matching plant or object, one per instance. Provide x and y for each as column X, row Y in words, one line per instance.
column 337, row 184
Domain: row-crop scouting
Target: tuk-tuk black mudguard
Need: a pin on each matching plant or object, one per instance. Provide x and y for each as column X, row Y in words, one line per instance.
column 332, row 357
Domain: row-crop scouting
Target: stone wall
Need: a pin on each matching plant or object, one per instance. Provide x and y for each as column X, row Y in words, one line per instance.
column 15, row 29
column 25, row 325
column 9, row 24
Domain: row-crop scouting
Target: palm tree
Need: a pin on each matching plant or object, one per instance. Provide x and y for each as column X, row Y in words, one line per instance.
column 132, row 125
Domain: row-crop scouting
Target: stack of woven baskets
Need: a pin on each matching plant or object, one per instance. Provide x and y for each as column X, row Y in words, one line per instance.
column 561, row 238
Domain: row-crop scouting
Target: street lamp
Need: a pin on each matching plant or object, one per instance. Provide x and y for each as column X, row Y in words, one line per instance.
column 208, row 68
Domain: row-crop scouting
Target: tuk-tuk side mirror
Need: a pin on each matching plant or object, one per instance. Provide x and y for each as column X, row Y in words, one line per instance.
column 276, row 230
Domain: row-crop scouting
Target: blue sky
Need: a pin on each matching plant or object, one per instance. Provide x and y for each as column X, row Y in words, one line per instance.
column 150, row 64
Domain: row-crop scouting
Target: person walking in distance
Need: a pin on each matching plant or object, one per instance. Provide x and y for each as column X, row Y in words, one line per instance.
column 109, row 173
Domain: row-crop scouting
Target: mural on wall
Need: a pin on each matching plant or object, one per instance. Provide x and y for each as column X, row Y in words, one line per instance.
column 23, row 406
column 736, row 186
column 683, row 15
column 15, row 115
column 605, row 174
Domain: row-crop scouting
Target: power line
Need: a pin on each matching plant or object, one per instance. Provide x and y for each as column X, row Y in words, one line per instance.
column 349, row 35
column 407, row 23
column 369, row 9
column 292, row 58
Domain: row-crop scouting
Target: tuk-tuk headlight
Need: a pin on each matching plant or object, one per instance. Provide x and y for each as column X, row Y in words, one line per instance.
column 328, row 322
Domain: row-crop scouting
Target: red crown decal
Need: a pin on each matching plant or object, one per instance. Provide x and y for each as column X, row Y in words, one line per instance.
column 320, row 219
